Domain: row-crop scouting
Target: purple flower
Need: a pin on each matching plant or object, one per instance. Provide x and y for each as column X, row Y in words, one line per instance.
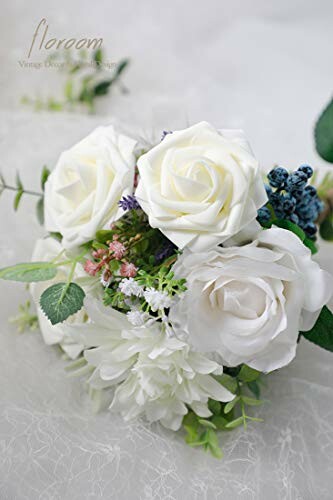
column 165, row 251
column 129, row 203
column 165, row 133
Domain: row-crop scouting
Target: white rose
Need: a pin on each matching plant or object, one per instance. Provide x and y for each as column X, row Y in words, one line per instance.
column 83, row 191
column 46, row 250
column 249, row 303
column 200, row 186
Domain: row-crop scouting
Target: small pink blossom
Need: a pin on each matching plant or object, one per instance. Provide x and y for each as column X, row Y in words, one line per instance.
column 91, row 267
column 118, row 249
column 100, row 253
column 128, row 270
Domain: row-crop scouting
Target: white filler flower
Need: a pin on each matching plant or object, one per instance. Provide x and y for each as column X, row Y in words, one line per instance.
column 158, row 375
column 249, row 303
column 200, row 186
column 83, row 191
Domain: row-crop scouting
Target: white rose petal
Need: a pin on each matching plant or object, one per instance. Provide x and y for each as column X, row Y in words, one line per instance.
column 249, row 303
column 200, row 186
column 83, row 191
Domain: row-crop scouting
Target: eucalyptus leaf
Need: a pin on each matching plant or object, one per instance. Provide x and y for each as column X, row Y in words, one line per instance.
column 235, row 423
column 229, row 406
column 29, row 272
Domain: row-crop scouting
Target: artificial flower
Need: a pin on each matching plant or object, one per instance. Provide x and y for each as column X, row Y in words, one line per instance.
column 200, row 186
column 159, row 376
column 83, row 191
column 249, row 303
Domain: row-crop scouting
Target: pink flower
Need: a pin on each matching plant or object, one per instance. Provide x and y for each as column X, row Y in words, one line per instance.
column 128, row 270
column 100, row 253
column 91, row 267
column 118, row 249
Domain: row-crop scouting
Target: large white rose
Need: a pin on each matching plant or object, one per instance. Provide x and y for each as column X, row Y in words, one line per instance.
column 249, row 303
column 83, row 191
column 200, row 186
column 46, row 250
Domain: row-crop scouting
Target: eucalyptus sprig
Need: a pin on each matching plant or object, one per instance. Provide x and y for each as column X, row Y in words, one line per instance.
column 85, row 82
column 20, row 190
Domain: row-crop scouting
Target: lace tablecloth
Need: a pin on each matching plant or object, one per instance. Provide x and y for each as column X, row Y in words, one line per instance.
column 53, row 447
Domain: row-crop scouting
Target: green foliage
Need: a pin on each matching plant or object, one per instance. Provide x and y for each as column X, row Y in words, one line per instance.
column 81, row 90
column 40, row 211
column 29, row 272
column 61, row 300
column 44, row 176
column 324, row 133
column 225, row 416
column 24, row 320
column 20, row 191
column 322, row 332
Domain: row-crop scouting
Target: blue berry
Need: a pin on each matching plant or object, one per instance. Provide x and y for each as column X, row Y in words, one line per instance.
column 294, row 218
column 310, row 229
column 289, row 204
column 310, row 190
column 264, row 214
column 296, row 181
column 277, row 177
column 307, row 170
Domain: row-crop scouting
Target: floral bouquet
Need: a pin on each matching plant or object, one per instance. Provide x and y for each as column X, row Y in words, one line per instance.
column 173, row 278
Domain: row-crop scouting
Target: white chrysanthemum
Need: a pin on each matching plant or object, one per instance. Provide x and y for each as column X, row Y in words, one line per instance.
column 129, row 287
column 157, row 300
column 159, row 376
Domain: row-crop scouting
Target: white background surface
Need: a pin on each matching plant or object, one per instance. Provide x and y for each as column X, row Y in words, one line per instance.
column 262, row 66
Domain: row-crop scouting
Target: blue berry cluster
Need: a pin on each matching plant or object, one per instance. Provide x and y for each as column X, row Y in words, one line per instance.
column 129, row 203
column 292, row 198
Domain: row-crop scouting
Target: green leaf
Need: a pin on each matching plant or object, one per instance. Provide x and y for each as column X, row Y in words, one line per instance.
column 248, row 374
column 290, row 226
column 104, row 235
column 40, row 211
column 229, row 406
column 311, row 245
column 206, row 423
column 44, row 176
column 17, row 199
column 98, row 57
column 121, row 67
column 61, row 300
column 215, row 406
column 235, row 423
column 228, row 382
column 19, row 184
column 324, row 133
column 29, row 272
column 254, row 388
column 322, row 332
column 102, row 88
column 326, row 228
column 250, row 401
column 219, row 422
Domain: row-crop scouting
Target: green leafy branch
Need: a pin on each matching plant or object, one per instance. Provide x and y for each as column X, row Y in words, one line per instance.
column 225, row 417
column 20, row 191
column 81, row 90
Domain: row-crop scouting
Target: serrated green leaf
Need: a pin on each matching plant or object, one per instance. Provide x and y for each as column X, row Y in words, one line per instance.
column 40, row 211
column 235, row 423
column 17, row 199
column 248, row 374
column 61, row 300
column 322, row 332
column 29, row 272
column 324, row 133
column 44, row 176
column 229, row 406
